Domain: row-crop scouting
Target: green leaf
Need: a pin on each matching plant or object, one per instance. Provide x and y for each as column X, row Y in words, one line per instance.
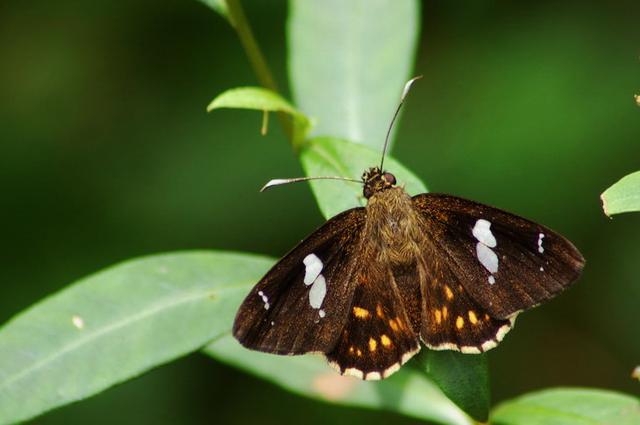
column 261, row 99
column 464, row 378
column 219, row 6
column 623, row 196
column 408, row 392
column 116, row 324
column 348, row 62
column 325, row 156
column 569, row 406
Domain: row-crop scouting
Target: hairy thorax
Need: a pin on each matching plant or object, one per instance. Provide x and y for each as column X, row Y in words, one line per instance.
column 394, row 226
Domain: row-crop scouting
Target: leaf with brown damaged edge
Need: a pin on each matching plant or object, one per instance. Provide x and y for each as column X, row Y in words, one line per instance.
column 622, row 196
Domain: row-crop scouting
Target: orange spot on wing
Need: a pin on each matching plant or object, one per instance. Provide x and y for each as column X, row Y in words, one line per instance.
column 379, row 311
column 385, row 340
column 361, row 313
column 472, row 317
column 393, row 325
column 459, row 322
column 448, row 292
column 438, row 314
column 373, row 344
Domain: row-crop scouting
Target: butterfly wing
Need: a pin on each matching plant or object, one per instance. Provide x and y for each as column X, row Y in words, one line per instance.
column 378, row 336
column 452, row 319
column 504, row 263
column 301, row 304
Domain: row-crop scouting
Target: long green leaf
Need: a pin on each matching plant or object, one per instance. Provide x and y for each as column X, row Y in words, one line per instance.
column 261, row 99
column 348, row 62
column 623, row 196
column 569, row 406
column 407, row 392
column 464, row 378
column 324, row 156
column 116, row 324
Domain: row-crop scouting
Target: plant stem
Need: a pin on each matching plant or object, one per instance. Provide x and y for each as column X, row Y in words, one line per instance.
column 256, row 58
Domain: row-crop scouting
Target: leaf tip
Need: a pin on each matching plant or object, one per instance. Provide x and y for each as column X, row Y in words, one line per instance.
column 605, row 208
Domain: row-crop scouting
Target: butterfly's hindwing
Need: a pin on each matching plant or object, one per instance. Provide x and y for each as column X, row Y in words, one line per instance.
column 301, row 304
column 452, row 319
column 378, row 336
column 504, row 262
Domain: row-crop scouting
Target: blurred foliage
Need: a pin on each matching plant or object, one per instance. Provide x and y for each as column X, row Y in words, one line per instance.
column 107, row 153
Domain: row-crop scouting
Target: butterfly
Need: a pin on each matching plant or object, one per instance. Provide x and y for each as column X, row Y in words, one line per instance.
column 373, row 283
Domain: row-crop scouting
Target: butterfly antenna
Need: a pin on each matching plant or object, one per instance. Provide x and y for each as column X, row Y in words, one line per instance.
column 279, row 182
column 405, row 92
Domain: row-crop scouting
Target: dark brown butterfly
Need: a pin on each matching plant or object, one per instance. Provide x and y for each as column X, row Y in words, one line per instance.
column 373, row 282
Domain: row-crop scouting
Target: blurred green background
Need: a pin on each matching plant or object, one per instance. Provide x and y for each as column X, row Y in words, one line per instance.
column 107, row 153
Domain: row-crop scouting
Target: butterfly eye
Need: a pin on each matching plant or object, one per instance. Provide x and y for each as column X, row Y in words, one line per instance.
column 389, row 178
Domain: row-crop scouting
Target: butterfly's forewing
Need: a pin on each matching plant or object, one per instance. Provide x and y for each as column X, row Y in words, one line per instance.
column 284, row 315
column 504, row 262
column 378, row 336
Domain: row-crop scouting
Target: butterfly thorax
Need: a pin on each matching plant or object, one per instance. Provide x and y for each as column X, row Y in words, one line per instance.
column 394, row 226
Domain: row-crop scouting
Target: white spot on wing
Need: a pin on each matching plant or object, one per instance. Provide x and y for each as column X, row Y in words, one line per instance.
column 540, row 248
column 77, row 322
column 352, row 371
column 265, row 299
column 487, row 257
column 313, row 267
column 486, row 240
column 317, row 292
column 322, row 313
column 541, row 269
column 482, row 232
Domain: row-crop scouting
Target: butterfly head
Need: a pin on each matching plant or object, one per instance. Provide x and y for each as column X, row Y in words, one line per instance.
column 376, row 180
